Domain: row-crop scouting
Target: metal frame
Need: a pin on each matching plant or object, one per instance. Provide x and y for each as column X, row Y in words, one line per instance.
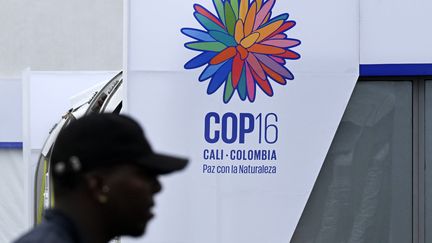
column 418, row 160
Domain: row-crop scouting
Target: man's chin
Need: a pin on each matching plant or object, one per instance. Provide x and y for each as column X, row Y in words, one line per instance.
column 137, row 231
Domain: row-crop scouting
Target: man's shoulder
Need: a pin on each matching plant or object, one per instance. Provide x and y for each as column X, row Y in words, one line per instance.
column 45, row 233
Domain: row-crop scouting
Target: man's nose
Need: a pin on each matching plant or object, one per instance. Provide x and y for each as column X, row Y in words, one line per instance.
column 157, row 186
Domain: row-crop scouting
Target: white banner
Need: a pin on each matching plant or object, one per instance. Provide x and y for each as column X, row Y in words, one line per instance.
column 252, row 92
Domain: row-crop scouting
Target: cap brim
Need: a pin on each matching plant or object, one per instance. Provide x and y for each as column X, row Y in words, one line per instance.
column 163, row 164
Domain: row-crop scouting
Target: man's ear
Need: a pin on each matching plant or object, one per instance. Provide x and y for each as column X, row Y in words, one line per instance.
column 96, row 186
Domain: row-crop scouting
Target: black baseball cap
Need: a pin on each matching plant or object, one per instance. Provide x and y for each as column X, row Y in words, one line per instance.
column 107, row 139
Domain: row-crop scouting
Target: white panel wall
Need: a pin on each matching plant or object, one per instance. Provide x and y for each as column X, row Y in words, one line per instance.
column 46, row 97
column 395, row 31
column 10, row 110
column 49, row 98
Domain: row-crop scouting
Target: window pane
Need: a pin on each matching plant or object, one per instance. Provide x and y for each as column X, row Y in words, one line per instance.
column 364, row 190
column 428, row 154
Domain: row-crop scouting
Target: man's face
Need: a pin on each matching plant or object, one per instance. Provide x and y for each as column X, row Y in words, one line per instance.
column 130, row 198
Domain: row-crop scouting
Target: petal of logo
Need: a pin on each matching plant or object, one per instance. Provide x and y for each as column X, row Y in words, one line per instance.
column 243, row 46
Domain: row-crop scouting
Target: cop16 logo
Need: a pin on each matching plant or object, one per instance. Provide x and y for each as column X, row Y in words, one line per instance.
column 243, row 47
column 239, row 128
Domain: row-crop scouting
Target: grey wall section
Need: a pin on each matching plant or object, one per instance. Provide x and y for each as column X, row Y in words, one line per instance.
column 12, row 191
column 60, row 35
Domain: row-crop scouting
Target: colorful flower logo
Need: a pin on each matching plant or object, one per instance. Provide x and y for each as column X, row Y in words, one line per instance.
column 243, row 47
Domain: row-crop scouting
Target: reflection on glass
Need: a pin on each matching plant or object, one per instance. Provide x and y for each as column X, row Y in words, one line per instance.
column 364, row 191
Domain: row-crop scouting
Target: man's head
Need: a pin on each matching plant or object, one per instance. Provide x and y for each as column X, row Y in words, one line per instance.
column 106, row 161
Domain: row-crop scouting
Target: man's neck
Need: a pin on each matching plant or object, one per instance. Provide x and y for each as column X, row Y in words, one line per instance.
column 86, row 218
